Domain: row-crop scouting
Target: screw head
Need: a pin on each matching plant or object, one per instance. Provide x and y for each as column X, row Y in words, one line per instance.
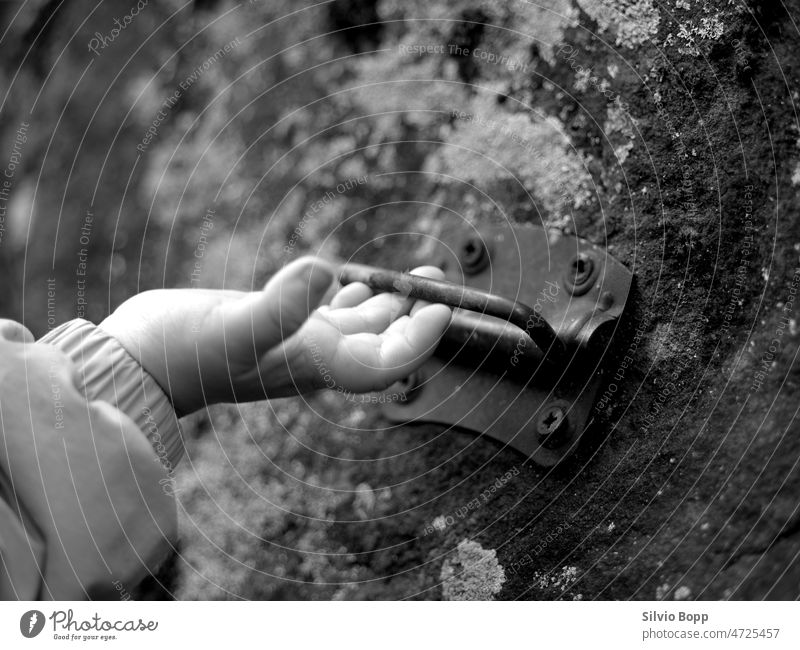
column 474, row 254
column 552, row 424
column 580, row 274
column 549, row 421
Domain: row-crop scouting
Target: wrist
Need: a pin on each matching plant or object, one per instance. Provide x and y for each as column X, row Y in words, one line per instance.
column 145, row 341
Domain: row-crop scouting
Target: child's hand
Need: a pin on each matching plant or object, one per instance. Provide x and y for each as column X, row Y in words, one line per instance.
column 205, row 346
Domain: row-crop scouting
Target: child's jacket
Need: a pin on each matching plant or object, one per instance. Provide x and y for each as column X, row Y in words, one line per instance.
column 88, row 441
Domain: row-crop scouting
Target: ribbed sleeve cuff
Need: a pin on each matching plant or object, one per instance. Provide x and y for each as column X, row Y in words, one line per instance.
column 107, row 372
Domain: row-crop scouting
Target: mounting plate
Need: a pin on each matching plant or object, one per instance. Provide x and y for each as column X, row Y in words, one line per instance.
column 487, row 377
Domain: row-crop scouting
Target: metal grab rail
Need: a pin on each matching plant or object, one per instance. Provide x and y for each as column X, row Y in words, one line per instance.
column 533, row 325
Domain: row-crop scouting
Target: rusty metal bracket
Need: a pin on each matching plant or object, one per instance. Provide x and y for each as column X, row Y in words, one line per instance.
column 522, row 358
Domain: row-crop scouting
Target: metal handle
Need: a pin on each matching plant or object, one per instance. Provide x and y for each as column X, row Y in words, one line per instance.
column 534, row 327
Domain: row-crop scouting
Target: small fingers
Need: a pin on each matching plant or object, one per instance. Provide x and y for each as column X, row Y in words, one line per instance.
column 357, row 310
column 374, row 362
column 409, row 343
column 371, row 316
column 431, row 272
column 366, row 362
column 351, row 295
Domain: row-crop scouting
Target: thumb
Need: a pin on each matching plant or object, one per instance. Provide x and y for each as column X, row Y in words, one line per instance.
column 268, row 317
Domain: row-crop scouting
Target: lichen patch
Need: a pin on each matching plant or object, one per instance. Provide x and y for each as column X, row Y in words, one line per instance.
column 473, row 574
column 692, row 34
column 560, row 580
column 487, row 146
column 633, row 22
column 619, row 129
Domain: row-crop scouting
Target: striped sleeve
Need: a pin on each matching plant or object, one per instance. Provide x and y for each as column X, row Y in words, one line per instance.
column 107, row 372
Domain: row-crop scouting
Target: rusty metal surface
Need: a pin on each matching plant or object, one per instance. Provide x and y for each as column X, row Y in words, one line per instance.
column 487, row 377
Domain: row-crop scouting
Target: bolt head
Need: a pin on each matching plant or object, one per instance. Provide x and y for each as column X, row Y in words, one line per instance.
column 550, row 420
column 552, row 424
column 474, row 255
column 580, row 274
